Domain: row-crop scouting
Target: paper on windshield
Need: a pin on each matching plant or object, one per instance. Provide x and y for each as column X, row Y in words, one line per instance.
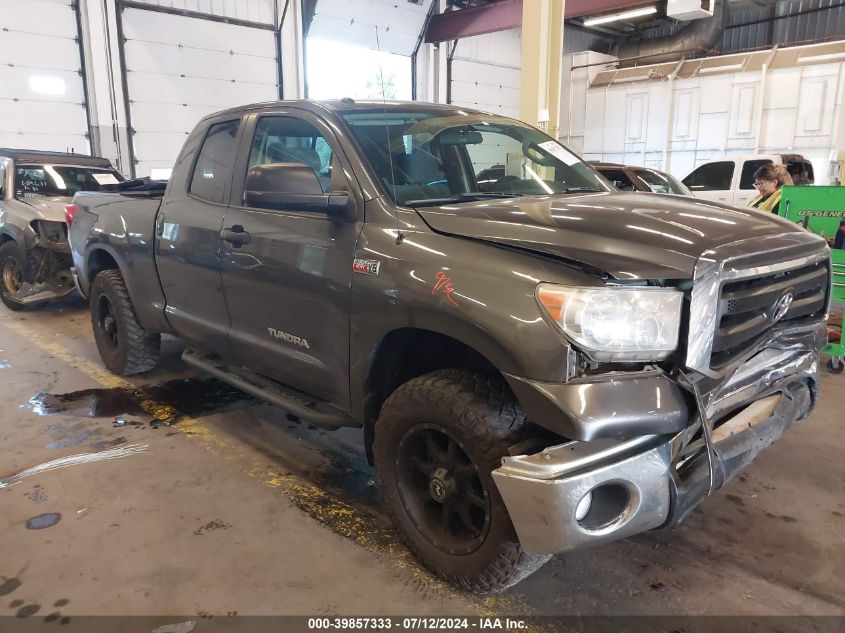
column 105, row 179
column 560, row 152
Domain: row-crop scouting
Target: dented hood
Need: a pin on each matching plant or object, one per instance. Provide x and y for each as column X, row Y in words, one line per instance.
column 47, row 207
column 627, row 235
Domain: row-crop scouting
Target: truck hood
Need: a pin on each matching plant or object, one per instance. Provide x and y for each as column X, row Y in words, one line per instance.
column 47, row 208
column 627, row 235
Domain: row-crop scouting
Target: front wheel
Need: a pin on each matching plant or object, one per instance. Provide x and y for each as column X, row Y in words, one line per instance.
column 836, row 365
column 12, row 266
column 125, row 347
column 437, row 441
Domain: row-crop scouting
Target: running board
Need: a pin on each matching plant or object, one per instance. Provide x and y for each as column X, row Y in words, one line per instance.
column 314, row 411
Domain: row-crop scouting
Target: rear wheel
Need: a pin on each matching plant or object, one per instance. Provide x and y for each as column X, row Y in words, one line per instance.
column 836, row 365
column 437, row 441
column 12, row 266
column 125, row 347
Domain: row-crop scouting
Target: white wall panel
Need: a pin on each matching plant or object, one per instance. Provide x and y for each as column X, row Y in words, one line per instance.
column 180, row 69
column 486, row 73
column 42, row 100
column 713, row 116
column 251, row 10
column 503, row 48
column 478, row 85
column 399, row 24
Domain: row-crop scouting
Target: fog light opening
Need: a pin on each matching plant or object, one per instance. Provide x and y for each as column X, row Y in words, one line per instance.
column 603, row 506
column 583, row 506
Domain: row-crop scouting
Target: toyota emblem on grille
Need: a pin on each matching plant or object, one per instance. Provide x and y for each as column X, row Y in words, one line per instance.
column 783, row 306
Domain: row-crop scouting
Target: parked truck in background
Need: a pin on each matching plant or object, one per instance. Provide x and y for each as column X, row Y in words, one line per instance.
column 538, row 366
column 730, row 180
column 34, row 189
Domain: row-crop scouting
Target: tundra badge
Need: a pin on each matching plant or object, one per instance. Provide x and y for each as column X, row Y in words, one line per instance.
column 288, row 338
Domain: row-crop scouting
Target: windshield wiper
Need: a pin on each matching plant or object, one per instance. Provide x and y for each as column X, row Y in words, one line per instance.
column 470, row 196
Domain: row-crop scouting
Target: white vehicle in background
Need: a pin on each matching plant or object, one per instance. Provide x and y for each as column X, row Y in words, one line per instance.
column 731, row 179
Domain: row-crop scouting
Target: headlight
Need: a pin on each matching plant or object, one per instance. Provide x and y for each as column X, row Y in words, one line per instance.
column 616, row 324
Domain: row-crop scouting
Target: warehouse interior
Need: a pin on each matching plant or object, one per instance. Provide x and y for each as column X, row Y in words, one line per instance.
column 184, row 501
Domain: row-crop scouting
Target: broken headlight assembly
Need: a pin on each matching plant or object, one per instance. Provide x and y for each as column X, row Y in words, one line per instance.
column 616, row 324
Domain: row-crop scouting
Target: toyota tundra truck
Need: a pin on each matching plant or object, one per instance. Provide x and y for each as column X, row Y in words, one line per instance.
column 541, row 366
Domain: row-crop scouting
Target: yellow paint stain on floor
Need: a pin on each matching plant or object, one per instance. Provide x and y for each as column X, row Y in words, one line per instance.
column 343, row 519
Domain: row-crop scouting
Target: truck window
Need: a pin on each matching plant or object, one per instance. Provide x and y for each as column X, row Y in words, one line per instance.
column 619, row 178
column 288, row 140
column 215, row 161
column 746, row 179
column 801, row 172
column 711, row 177
column 661, row 183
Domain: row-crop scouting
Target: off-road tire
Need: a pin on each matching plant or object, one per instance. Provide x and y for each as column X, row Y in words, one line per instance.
column 9, row 250
column 482, row 413
column 130, row 349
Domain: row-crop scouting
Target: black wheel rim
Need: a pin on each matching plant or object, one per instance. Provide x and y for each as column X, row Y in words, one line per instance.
column 12, row 276
column 442, row 489
column 106, row 320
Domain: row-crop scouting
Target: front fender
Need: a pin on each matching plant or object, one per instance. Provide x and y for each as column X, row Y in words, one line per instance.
column 477, row 293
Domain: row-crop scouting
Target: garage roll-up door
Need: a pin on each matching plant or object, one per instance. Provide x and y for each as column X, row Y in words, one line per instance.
column 42, row 99
column 180, row 69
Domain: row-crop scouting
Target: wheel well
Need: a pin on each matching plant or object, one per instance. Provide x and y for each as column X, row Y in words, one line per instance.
column 98, row 261
column 5, row 238
column 407, row 353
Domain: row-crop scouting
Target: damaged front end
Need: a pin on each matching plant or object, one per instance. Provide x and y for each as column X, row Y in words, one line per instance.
column 652, row 445
column 47, row 273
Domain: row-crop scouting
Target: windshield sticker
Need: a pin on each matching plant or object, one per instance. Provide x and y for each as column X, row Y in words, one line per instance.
column 444, row 287
column 560, row 152
column 105, row 179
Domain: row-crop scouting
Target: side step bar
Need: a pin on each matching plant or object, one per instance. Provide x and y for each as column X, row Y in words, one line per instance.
column 316, row 412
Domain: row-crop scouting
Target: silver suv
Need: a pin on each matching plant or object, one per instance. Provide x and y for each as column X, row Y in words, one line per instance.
column 35, row 188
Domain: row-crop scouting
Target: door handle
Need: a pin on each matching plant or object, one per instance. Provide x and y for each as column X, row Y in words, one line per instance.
column 236, row 236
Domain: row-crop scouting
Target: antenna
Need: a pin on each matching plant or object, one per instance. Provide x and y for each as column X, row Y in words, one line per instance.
column 399, row 235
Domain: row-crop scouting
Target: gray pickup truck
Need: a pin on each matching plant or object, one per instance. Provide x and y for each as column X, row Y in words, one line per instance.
column 540, row 366
column 35, row 186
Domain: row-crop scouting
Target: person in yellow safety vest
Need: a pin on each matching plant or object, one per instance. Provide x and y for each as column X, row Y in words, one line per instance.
column 769, row 181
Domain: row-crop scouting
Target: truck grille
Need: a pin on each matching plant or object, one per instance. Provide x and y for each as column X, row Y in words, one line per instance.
column 748, row 308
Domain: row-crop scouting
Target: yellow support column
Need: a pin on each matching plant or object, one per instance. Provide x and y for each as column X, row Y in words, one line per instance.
column 542, row 53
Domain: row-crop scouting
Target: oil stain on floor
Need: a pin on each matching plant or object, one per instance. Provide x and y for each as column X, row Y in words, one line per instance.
column 191, row 397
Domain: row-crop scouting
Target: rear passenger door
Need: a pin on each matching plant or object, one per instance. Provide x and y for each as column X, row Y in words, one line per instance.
column 713, row 181
column 188, row 236
column 287, row 283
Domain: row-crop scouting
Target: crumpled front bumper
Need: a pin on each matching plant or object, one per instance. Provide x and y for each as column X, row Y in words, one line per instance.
column 652, row 481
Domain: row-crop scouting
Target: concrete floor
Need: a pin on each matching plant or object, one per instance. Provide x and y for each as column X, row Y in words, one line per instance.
column 237, row 509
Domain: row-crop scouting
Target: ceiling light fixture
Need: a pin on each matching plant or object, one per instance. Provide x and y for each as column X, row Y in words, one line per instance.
column 720, row 69
column 634, row 13
column 821, row 58
column 623, row 80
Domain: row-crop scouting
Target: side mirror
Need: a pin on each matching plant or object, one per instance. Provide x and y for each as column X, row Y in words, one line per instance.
column 294, row 187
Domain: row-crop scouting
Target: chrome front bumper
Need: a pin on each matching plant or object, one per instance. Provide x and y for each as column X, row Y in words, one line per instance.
column 652, row 481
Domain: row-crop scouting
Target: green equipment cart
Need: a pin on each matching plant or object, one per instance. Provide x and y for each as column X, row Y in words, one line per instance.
column 822, row 211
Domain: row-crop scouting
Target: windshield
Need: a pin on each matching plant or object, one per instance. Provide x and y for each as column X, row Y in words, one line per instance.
column 429, row 157
column 659, row 182
column 61, row 180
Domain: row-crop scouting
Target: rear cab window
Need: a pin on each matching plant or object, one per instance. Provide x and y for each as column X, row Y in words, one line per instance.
column 215, row 161
column 716, row 176
column 619, row 178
